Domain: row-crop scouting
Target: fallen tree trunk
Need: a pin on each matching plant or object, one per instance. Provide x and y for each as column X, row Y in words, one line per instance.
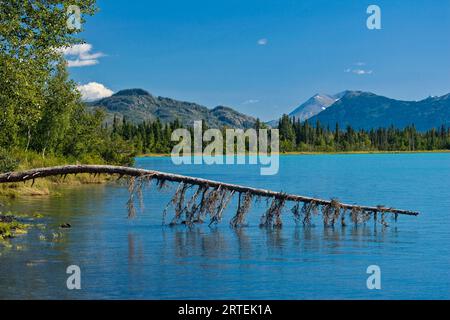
column 212, row 190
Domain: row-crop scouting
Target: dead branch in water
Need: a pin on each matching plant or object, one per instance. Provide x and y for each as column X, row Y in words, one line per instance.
column 214, row 197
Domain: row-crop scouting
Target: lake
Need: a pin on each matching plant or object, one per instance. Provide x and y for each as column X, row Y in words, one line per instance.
column 141, row 259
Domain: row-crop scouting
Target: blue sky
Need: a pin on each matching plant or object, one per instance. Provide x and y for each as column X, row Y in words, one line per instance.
column 265, row 57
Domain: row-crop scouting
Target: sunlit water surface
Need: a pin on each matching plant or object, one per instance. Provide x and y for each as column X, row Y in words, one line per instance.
column 141, row 259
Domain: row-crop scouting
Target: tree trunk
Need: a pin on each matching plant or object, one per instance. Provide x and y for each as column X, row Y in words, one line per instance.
column 162, row 176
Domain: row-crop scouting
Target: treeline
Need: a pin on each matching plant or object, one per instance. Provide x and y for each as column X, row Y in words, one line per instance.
column 146, row 137
column 149, row 137
column 295, row 136
column 302, row 136
column 41, row 112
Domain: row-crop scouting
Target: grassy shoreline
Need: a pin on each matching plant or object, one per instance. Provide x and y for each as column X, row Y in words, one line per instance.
column 46, row 186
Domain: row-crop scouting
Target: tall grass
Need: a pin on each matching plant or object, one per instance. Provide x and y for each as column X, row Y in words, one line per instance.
column 18, row 160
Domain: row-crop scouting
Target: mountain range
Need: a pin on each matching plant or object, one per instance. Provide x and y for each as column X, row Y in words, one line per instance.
column 360, row 110
column 311, row 107
column 137, row 105
column 365, row 110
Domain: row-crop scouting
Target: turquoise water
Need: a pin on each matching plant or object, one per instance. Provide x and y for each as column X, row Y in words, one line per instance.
column 141, row 259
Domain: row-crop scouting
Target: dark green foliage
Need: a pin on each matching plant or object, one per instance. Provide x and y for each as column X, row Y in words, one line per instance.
column 303, row 137
column 147, row 137
column 154, row 137
column 8, row 162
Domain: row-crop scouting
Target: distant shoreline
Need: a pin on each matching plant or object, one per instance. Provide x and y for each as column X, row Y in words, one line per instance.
column 307, row 153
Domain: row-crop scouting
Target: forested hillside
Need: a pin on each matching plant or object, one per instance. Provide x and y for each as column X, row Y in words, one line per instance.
column 137, row 106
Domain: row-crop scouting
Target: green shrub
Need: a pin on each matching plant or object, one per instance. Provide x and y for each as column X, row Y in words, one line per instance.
column 8, row 162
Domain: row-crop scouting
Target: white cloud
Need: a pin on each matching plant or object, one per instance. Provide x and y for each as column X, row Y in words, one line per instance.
column 81, row 63
column 359, row 72
column 93, row 91
column 250, row 101
column 263, row 41
column 79, row 55
column 362, row 71
column 360, row 64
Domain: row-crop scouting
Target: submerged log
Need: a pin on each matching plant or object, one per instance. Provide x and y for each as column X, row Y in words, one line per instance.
column 331, row 208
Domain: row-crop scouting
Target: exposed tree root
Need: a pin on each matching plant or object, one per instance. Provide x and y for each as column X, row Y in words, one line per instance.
column 242, row 210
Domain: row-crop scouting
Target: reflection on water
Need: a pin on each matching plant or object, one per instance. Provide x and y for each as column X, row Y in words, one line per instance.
column 139, row 258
